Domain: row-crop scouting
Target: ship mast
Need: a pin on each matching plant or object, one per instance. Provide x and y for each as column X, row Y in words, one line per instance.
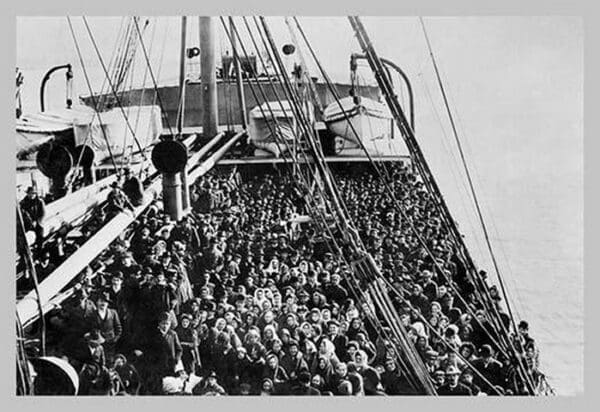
column 185, row 193
column 208, row 78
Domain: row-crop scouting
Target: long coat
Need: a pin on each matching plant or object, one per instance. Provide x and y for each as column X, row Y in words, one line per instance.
column 110, row 326
column 164, row 352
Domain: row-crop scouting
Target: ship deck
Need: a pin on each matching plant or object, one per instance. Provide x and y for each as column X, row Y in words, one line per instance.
column 328, row 159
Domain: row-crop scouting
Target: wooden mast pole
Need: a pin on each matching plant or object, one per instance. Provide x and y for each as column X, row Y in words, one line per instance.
column 208, row 77
column 185, row 189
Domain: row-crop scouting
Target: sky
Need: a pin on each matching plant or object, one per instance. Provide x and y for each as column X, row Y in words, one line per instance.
column 515, row 86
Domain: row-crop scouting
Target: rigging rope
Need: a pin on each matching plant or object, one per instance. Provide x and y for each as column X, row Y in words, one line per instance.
column 408, row 134
column 118, row 100
column 468, row 173
column 101, row 96
column 391, row 192
column 425, row 173
column 475, row 199
column 486, row 208
column 154, row 82
column 285, row 160
column 92, row 95
column 348, row 227
column 141, row 101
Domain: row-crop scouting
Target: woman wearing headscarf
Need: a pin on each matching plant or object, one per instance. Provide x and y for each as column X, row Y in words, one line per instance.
column 277, row 348
column 451, row 336
column 252, row 338
column 267, row 388
column 422, row 346
column 366, row 345
column 355, row 379
column 275, row 373
column 317, row 301
column 306, row 345
column 314, row 317
column 326, row 348
column 268, row 337
column 239, row 372
column 372, row 382
column 286, row 337
column 322, row 366
column 259, row 297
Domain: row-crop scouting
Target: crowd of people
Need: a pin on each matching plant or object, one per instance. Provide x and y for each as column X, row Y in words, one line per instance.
column 243, row 297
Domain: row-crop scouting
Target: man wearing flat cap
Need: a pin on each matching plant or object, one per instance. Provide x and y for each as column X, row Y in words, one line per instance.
column 489, row 368
column 453, row 387
column 211, row 386
column 431, row 360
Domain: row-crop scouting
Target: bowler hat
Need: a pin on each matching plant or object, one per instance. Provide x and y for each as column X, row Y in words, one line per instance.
column 94, row 337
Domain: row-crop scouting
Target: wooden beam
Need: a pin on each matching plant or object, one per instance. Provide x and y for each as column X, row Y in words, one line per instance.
column 28, row 307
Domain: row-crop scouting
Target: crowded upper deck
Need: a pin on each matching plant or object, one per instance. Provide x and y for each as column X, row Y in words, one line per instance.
column 243, row 297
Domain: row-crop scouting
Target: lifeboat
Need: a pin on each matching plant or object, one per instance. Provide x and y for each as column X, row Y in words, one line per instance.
column 371, row 120
column 271, row 125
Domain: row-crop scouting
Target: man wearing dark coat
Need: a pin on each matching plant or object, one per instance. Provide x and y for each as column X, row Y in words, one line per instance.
column 394, row 382
column 133, row 188
column 340, row 341
column 188, row 337
column 293, row 362
column 490, row 368
column 334, row 291
column 90, row 352
column 453, row 387
column 116, row 294
column 107, row 322
column 303, row 388
column 34, row 211
column 117, row 201
column 162, row 353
